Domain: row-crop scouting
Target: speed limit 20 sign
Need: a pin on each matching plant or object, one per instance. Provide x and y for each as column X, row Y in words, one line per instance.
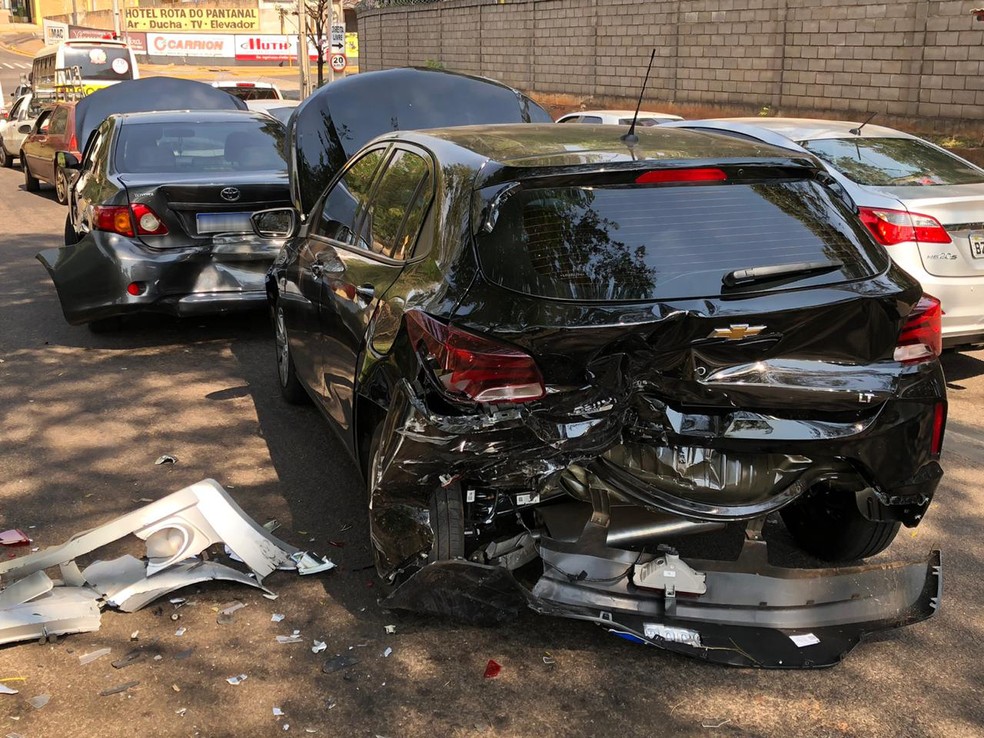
column 338, row 62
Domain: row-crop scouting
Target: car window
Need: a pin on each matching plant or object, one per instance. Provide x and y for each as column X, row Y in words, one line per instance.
column 44, row 120
column 887, row 162
column 15, row 109
column 591, row 119
column 645, row 243
column 570, row 119
column 345, row 200
column 402, row 198
column 59, row 121
column 92, row 149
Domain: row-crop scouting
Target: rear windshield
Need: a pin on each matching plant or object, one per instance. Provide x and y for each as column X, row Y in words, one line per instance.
column 645, row 243
column 893, row 162
column 252, row 93
column 213, row 146
column 100, row 62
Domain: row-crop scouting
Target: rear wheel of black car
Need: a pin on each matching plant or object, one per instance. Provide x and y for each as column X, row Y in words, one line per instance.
column 61, row 187
column 31, row 183
column 6, row 160
column 290, row 385
column 829, row 525
column 447, row 520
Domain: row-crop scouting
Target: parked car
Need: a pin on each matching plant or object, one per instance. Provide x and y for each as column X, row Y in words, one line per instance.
column 159, row 218
column 22, row 113
column 53, row 131
column 250, row 90
column 279, row 109
column 617, row 117
column 552, row 354
column 921, row 202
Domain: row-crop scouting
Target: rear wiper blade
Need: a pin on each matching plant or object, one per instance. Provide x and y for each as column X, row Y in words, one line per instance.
column 752, row 275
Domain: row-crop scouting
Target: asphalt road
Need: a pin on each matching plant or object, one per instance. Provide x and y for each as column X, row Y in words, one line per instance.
column 83, row 418
column 12, row 66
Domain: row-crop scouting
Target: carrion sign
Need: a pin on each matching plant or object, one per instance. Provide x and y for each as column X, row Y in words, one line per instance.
column 211, row 45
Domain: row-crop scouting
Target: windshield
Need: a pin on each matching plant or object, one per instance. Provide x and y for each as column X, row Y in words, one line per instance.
column 645, row 243
column 213, row 146
column 100, row 62
column 252, row 93
column 888, row 162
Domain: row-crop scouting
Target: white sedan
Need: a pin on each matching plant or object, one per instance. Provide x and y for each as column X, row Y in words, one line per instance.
column 617, row 117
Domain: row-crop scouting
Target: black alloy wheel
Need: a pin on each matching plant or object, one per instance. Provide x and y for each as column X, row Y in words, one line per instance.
column 828, row 524
column 61, row 186
column 31, row 183
column 290, row 386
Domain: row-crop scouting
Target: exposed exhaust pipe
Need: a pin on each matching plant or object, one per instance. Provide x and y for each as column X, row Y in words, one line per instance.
column 629, row 524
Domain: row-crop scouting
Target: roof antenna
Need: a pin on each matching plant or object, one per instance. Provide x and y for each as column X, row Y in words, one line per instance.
column 630, row 138
column 857, row 131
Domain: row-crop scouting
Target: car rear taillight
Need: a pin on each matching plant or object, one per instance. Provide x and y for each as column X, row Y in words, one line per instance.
column 148, row 224
column 890, row 227
column 921, row 338
column 121, row 220
column 677, row 176
column 473, row 366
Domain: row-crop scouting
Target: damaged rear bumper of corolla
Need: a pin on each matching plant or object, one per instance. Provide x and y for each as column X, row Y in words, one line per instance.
column 106, row 275
column 738, row 613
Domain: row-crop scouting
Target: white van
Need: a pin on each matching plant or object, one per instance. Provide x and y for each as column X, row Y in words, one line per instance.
column 82, row 66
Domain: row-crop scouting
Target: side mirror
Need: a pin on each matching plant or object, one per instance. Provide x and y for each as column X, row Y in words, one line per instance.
column 67, row 160
column 275, row 223
column 25, row 129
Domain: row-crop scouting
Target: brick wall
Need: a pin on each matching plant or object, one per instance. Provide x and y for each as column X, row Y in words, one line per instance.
column 910, row 57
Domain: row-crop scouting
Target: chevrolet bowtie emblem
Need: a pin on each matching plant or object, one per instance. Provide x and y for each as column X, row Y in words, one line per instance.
column 737, row 332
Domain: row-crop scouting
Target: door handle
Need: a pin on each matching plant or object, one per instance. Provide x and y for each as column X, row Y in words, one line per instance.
column 366, row 291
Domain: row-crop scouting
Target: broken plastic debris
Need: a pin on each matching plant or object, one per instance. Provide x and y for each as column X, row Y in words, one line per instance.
column 308, row 564
column 276, row 617
column 4, row 689
column 271, row 596
column 318, row 646
column 135, row 635
column 227, row 612
column 387, row 652
column 88, row 658
column 181, row 712
column 715, row 722
column 390, row 628
column 62, row 610
column 120, row 688
column 492, row 669
column 804, row 639
column 180, row 632
column 177, row 600
column 14, row 537
column 237, row 680
column 166, row 459
column 338, row 663
column 138, row 654
column 277, row 712
column 548, row 660
column 294, row 637
column 40, row 701
column 271, row 525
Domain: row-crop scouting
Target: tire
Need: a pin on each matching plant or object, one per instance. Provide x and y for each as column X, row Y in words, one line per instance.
column 447, row 520
column 61, row 186
column 105, row 325
column 6, row 160
column 71, row 235
column 829, row 525
column 31, row 183
column 291, row 388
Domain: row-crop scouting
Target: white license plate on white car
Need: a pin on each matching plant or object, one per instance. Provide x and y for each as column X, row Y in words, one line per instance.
column 223, row 222
column 977, row 245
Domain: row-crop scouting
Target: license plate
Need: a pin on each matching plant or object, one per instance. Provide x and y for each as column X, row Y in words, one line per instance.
column 977, row 245
column 223, row 222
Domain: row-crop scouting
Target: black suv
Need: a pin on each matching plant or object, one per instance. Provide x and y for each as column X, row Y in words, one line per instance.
column 554, row 348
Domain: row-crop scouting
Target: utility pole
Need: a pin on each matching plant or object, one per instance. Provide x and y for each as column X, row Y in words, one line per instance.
column 330, row 50
column 303, row 59
column 117, row 29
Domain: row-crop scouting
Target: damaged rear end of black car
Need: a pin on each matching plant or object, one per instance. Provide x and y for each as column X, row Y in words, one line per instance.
column 597, row 348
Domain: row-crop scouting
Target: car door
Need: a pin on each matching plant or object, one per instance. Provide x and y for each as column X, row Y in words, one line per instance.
column 387, row 227
column 93, row 185
column 303, row 288
column 53, row 142
column 34, row 144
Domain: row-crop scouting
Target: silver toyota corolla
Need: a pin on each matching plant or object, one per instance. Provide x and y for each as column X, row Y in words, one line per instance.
column 925, row 205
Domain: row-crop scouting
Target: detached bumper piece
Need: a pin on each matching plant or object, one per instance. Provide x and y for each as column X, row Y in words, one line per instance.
column 741, row 613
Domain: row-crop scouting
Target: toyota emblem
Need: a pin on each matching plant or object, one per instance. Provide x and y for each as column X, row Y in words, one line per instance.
column 230, row 193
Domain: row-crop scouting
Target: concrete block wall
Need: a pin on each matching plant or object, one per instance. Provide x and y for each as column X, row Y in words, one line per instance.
column 910, row 57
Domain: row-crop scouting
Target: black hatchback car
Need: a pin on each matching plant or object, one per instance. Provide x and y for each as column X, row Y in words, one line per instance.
column 554, row 350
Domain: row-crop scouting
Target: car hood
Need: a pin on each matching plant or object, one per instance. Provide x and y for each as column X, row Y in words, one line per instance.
column 335, row 122
column 145, row 95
